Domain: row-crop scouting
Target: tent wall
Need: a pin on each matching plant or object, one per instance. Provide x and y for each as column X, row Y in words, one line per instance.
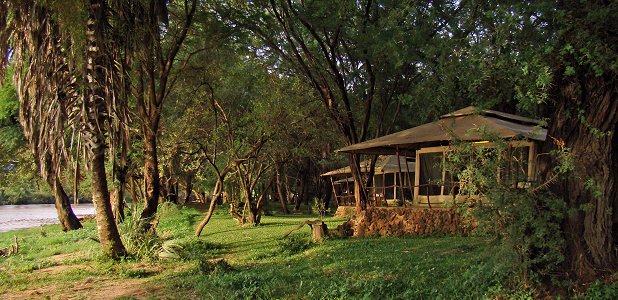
column 434, row 186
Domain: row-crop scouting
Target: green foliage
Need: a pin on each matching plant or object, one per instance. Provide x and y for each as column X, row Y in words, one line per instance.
column 8, row 100
column 140, row 244
column 209, row 266
column 528, row 221
column 318, row 207
column 600, row 290
column 293, row 244
column 18, row 182
column 25, row 195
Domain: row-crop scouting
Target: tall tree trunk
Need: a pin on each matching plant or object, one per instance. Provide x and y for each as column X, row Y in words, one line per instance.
column 189, row 188
column 283, row 199
column 326, row 193
column 299, row 195
column 117, row 200
column 119, row 193
column 590, row 135
column 151, row 175
column 134, row 191
column 95, row 132
column 360, row 197
column 254, row 212
column 67, row 218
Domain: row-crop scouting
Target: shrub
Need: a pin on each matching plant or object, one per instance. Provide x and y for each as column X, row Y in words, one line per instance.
column 526, row 220
column 601, row 290
column 217, row 265
column 140, row 244
column 293, row 244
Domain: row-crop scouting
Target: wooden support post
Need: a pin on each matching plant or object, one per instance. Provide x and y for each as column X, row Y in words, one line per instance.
column 384, row 188
column 400, row 175
column 347, row 189
column 428, row 201
column 332, row 184
column 410, row 186
column 373, row 190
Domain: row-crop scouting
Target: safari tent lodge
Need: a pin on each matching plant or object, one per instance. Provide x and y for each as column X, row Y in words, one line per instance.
column 390, row 181
column 424, row 147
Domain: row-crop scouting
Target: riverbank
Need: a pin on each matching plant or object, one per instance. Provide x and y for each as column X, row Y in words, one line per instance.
column 13, row 217
column 233, row 262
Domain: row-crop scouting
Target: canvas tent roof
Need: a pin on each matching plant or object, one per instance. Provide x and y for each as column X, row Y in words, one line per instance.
column 384, row 164
column 341, row 181
column 468, row 124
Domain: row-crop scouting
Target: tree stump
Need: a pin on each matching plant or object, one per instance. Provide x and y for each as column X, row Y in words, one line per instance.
column 319, row 230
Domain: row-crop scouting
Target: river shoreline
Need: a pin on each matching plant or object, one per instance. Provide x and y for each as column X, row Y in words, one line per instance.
column 14, row 217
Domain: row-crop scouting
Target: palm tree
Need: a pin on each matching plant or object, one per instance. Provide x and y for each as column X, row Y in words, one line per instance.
column 68, row 93
column 39, row 45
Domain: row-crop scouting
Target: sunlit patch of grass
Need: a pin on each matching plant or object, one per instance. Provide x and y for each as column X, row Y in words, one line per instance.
column 229, row 261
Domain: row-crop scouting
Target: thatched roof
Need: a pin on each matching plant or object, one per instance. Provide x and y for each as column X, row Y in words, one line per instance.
column 384, row 164
column 467, row 124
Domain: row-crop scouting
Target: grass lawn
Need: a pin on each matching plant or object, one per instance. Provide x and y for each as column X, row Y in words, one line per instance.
column 256, row 264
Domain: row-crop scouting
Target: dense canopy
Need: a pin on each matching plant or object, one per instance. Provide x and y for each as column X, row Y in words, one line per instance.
column 242, row 104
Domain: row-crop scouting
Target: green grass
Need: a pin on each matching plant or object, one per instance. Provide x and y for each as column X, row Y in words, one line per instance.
column 257, row 264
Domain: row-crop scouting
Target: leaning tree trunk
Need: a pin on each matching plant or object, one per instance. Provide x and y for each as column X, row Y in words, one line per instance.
column 585, row 119
column 67, row 218
column 106, row 225
column 151, row 174
column 217, row 194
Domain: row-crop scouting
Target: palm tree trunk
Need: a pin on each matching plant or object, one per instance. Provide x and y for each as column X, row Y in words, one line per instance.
column 106, row 225
column 95, row 132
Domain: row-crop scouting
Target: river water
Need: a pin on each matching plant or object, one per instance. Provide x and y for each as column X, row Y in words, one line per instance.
column 14, row 217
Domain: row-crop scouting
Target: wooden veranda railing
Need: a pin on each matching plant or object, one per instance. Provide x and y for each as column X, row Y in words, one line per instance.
column 376, row 199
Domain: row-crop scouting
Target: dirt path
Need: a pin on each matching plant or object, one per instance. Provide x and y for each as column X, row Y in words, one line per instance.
column 92, row 287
